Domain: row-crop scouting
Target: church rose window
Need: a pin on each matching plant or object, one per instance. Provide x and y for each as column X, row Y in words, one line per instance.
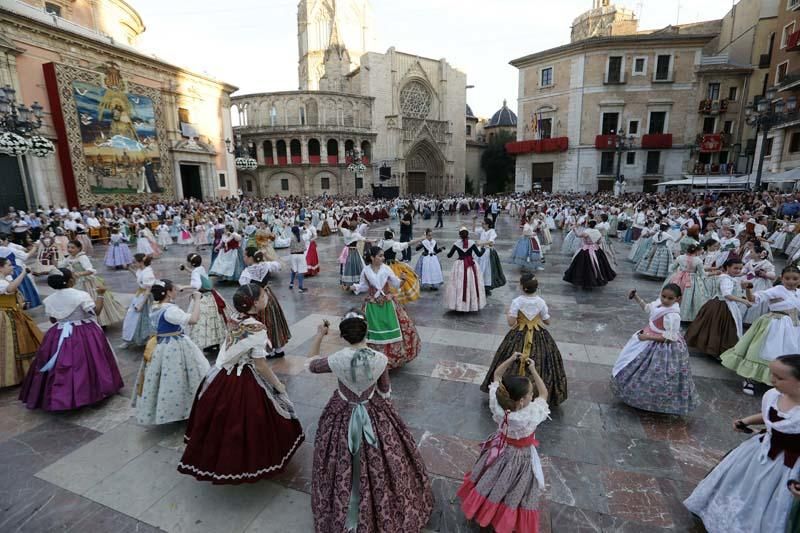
column 415, row 100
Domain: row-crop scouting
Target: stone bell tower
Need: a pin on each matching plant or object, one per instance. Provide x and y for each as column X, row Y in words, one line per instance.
column 604, row 20
column 347, row 22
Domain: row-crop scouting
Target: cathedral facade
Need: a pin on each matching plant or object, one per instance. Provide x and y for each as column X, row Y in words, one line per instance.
column 398, row 114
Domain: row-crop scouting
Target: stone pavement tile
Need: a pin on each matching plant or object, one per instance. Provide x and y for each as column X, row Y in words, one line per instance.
column 637, row 498
column 15, row 418
column 574, row 519
column 695, row 461
column 103, row 416
column 139, row 484
column 447, row 455
column 90, row 464
column 447, row 516
column 642, row 456
column 704, row 367
column 591, row 390
column 580, row 413
column 575, row 484
column 290, row 365
column 582, row 445
column 621, row 418
column 675, row 492
column 311, row 389
column 668, row 428
column 572, row 351
column 192, row 506
column 286, row 510
column 575, row 369
column 298, row 473
column 602, row 355
column 458, row 371
column 174, row 439
column 28, row 452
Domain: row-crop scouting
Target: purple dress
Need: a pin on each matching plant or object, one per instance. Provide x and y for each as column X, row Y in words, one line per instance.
column 75, row 365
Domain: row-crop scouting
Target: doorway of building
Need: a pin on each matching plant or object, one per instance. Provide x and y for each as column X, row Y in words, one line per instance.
column 416, row 182
column 12, row 193
column 604, row 185
column 650, row 185
column 190, row 181
column 542, row 176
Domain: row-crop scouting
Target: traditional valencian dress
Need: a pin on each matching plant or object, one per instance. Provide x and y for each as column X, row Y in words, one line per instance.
column 489, row 262
column 136, row 327
column 590, row 267
column 689, row 275
column 47, row 256
column 656, row 376
column 20, row 337
column 465, row 291
column 312, row 257
column 530, row 337
column 17, row 255
column 528, row 251
column 772, row 335
column 75, row 365
column 118, row 253
column 172, row 369
column 113, row 311
column 229, row 264
column 428, row 268
column 389, row 328
column 272, row 317
column 350, row 261
column 656, row 262
column 368, row 475
column 241, row 429
column 409, row 289
column 760, row 283
column 210, row 328
column 505, row 487
column 718, row 325
column 746, row 492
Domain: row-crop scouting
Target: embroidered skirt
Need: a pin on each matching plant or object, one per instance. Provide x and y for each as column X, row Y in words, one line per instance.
column 768, row 338
column 312, row 260
column 465, row 291
column 210, row 328
column 429, row 271
column 275, row 321
column 409, row 289
column 20, row 337
column 713, row 330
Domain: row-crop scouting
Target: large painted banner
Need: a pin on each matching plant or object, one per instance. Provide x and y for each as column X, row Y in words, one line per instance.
column 115, row 136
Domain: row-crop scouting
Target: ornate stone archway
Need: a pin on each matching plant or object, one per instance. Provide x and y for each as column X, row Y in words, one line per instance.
column 425, row 169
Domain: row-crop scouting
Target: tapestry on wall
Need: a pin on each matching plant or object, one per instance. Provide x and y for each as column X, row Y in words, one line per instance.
column 115, row 137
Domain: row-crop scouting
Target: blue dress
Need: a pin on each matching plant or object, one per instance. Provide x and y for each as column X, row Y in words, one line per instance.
column 27, row 288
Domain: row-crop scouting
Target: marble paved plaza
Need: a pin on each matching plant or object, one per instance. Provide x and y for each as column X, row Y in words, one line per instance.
column 608, row 467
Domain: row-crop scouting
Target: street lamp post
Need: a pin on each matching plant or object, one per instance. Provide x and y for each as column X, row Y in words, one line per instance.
column 766, row 115
column 356, row 166
column 242, row 160
column 622, row 143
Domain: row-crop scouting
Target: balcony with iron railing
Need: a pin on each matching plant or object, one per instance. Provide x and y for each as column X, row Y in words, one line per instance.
column 713, row 107
column 657, row 140
column 555, row 144
column 653, row 170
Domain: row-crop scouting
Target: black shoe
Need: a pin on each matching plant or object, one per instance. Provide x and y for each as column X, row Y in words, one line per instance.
column 291, row 287
column 302, row 290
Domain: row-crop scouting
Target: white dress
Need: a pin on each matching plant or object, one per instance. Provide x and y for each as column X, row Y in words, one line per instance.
column 429, row 268
column 144, row 281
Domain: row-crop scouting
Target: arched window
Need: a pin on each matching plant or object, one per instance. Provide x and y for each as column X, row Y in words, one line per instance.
column 235, row 117
column 415, row 100
column 280, row 146
column 302, row 115
column 313, row 151
column 333, row 151
column 273, row 116
column 295, row 151
column 366, row 152
column 268, row 153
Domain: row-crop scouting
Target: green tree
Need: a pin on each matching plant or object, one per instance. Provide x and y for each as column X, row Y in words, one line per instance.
column 497, row 163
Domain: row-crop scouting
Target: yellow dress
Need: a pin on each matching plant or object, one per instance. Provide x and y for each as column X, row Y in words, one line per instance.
column 20, row 337
column 409, row 289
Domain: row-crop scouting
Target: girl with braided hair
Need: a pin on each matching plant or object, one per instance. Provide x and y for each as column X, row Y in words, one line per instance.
column 242, row 427
column 210, row 329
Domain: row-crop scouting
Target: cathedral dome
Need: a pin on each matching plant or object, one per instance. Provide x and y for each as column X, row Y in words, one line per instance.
column 503, row 118
column 470, row 114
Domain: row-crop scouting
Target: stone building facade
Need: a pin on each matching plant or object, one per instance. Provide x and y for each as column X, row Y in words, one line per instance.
column 403, row 111
column 573, row 99
column 93, row 43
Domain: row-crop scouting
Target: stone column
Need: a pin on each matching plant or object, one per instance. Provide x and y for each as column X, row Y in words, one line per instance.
column 304, row 150
column 261, row 156
column 323, row 150
column 274, row 152
column 341, row 150
column 777, row 150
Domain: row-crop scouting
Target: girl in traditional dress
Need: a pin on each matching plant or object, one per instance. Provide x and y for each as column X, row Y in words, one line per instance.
column 505, row 488
column 409, row 289
column 728, row 244
column 773, row 334
column 312, row 258
column 163, row 236
column 652, row 372
column 185, row 233
column 589, row 267
column 528, row 251
column 656, row 262
column 489, row 262
column 20, row 337
column 118, row 254
column 75, row 365
column 136, row 328
column 210, row 328
column 82, row 237
column 47, row 255
column 759, row 271
column 747, row 491
column 527, row 316
column 242, row 427
column 368, row 474
column 143, row 244
column 465, row 291
column 83, row 274
column 271, row 316
column 200, row 234
column 604, row 227
column 642, row 245
column 688, row 274
column 782, row 236
column 173, row 366
column 229, row 263
column 718, row 325
column 350, row 261
column 391, row 330
column 17, row 255
column 61, row 241
column 429, row 269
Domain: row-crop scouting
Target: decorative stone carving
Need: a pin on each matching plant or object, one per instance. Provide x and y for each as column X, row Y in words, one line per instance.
column 415, row 100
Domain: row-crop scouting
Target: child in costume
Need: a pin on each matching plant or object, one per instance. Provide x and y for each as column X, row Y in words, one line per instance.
column 257, row 271
column 429, row 268
column 86, row 279
column 20, row 337
column 409, row 289
column 118, row 254
column 136, row 327
column 210, row 328
column 465, row 291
